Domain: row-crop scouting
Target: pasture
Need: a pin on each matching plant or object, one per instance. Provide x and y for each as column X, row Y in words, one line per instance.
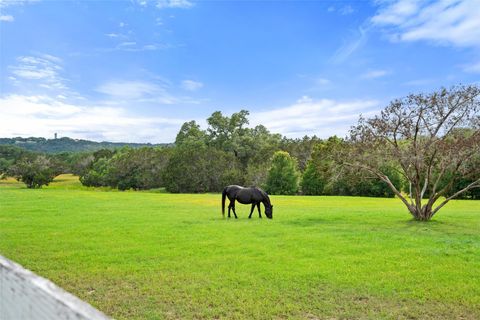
column 152, row 255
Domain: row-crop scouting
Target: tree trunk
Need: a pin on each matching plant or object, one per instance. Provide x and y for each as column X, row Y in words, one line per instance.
column 424, row 213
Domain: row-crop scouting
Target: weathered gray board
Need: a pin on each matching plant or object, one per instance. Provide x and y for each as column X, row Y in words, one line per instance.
column 24, row 295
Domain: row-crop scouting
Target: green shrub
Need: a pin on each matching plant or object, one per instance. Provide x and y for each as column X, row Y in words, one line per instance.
column 313, row 181
column 35, row 172
column 283, row 176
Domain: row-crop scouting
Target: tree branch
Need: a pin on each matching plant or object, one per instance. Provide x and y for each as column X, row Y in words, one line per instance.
column 474, row 184
column 385, row 179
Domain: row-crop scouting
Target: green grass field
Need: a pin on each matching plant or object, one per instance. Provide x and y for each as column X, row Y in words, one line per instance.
column 152, row 255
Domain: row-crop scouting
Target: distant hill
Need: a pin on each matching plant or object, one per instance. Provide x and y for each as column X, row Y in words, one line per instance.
column 68, row 144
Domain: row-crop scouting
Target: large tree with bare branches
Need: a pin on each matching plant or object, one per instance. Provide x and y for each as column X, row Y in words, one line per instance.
column 431, row 139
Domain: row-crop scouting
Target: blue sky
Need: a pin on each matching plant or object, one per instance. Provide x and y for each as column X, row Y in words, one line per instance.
column 136, row 70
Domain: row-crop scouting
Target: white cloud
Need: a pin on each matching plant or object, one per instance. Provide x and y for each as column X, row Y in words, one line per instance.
column 43, row 116
column 304, row 99
column 181, row 4
column 191, row 85
column 51, row 58
column 132, row 46
column 7, row 18
column 472, row 68
column 373, row 74
column 42, row 70
column 7, row 3
column 315, row 117
column 347, row 10
column 141, row 92
column 136, row 90
column 162, row 4
column 420, row 82
column 150, row 47
column 446, row 22
column 397, row 12
column 352, row 45
column 127, row 44
column 322, row 81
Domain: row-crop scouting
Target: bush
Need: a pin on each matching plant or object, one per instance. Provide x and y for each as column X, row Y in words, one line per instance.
column 313, row 181
column 8, row 156
column 138, row 169
column 256, row 174
column 97, row 175
column 359, row 183
column 35, row 172
column 198, row 168
column 283, row 176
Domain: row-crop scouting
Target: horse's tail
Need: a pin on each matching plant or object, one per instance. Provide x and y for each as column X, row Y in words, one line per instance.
column 224, row 195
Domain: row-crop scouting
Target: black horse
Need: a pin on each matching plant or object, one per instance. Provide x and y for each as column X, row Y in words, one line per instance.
column 246, row 196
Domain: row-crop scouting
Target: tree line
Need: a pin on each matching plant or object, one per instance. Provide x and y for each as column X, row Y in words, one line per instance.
column 423, row 146
column 227, row 152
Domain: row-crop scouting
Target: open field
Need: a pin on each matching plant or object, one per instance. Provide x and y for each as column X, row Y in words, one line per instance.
column 153, row 255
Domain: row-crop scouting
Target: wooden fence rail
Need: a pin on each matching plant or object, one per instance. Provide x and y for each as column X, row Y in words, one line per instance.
column 24, row 295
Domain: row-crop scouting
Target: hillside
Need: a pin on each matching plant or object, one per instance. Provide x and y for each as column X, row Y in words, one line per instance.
column 68, row 145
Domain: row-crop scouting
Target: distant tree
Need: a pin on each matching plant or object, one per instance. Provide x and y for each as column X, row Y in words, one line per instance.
column 300, row 149
column 321, row 169
column 422, row 134
column 137, row 169
column 247, row 151
column 256, row 146
column 4, row 167
column 282, row 176
column 97, row 174
column 359, row 183
column 35, row 172
column 190, row 132
column 323, row 175
column 197, row 168
column 93, row 169
column 256, row 174
column 461, row 182
column 63, row 161
column 64, row 144
column 312, row 183
column 81, row 163
column 225, row 132
column 251, row 146
column 103, row 153
column 8, row 156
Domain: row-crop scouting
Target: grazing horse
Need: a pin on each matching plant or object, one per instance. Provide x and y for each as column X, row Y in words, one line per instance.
column 246, row 196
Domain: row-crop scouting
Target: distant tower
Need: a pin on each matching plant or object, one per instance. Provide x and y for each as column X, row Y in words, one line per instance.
column 55, row 135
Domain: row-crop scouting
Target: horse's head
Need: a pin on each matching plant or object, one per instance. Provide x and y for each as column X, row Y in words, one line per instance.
column 269, row 211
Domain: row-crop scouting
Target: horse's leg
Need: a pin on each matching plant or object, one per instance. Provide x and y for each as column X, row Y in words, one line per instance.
column 232, row 204
column 259, row 211
column 229, row 208
column 234, row 210
column 251, row 211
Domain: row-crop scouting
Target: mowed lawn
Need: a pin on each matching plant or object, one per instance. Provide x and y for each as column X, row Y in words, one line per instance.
column 152, row 255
